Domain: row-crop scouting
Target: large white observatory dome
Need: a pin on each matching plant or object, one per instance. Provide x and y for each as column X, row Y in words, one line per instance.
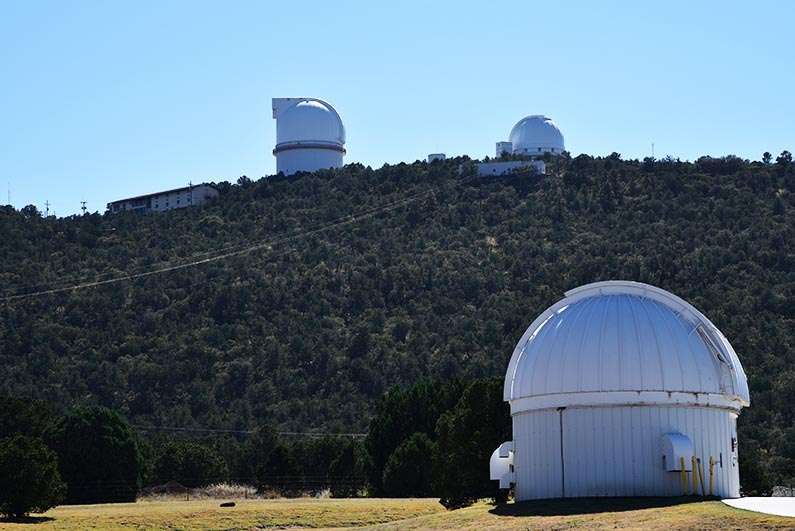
column 614, row 390
column 309, row 135
column 536, row 135
column 623, row 342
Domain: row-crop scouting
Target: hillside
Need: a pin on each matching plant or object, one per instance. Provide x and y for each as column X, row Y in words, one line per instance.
column 302, row 317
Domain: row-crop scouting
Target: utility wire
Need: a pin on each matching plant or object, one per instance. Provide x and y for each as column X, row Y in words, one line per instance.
column 225, row 250
column 245, row 432
column 339, row 222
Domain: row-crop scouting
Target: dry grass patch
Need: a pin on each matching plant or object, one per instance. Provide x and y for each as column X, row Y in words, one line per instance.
column 389, row 514
column 598, row 513
column 247, row 514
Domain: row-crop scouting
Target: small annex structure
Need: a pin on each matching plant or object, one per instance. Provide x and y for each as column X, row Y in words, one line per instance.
column 310, row 135
column 622, row 389
column 186, row 196
column 531, row 138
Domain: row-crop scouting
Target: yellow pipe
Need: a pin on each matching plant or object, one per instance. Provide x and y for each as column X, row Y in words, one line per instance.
column 684, row 475
column 711, row 474
column 695, row 476
column 701, row 478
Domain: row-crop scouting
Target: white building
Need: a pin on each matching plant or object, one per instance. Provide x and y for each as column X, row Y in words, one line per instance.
column 505, row 167
column 502, row 149
column 166, row 200
column 309, row 135
column 432, row 157
column 533, row 136
column 612, row 390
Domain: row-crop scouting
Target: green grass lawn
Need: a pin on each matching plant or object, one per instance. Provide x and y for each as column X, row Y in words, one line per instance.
column 386, row 514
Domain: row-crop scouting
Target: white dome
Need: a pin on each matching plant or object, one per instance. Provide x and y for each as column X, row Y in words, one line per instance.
column 623, row 343
column 307, row 120
column 536, row 134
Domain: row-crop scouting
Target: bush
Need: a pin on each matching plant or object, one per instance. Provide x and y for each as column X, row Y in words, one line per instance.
column 345, row 475
column 190, row 464
column 467, row 436
column 409, row 468
column 23, row 417
column 279, row 473
column 98, row 456
column 29, row 478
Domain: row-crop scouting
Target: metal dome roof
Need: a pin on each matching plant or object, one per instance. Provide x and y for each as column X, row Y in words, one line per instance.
column 623, row 343
column 534, row 133
column 307, row 120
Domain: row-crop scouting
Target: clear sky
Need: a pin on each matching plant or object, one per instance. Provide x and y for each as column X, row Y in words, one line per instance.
column 101, row 100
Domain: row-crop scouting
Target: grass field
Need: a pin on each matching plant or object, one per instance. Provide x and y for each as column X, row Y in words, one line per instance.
column 388, row 514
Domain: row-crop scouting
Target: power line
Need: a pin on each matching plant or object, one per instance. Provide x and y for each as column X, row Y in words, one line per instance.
column 246, row 432
column 339, row 222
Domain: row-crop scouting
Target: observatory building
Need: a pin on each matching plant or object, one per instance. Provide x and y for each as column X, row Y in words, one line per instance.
column 309, row 135
column 533, row 136
column 622, row 389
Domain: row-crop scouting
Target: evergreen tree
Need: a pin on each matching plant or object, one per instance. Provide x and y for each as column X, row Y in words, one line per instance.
column 29, row 479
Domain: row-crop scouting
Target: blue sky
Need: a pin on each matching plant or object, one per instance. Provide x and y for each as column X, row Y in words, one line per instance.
column 100, row 100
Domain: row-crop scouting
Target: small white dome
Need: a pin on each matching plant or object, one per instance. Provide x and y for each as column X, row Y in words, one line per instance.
column 623, row 343
column 309, row 120
column 536, row 134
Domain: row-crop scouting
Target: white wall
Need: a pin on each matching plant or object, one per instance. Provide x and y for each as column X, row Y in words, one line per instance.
column 617, row 451
column 502, row 168
column 198, row 195
column 536, row 455
column 309, row 159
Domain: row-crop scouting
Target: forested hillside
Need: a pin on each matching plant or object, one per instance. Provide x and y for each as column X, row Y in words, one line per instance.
column 303, row 317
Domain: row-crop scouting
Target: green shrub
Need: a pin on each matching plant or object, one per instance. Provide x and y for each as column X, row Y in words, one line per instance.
column 29, row 478
column 98, row 456
column 191, row 464
column 408, row 470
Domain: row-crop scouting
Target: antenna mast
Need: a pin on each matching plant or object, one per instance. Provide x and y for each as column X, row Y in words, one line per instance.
column 47, row 205
column 83, row 207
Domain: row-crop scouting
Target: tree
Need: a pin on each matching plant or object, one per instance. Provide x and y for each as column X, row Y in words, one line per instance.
column 279, row 472
column 785, row 159
column 345, row 474
column 767, row 157
column 29, row 478
column 23, row 417
column 190, row 463
column 467, row 436
column 257, row 451
column 755, row 477
column 402, row 413
column 98, row 456
column 408, row 472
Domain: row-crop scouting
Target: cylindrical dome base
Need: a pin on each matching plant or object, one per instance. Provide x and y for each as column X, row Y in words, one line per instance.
column 619, row 451
column 290, row 161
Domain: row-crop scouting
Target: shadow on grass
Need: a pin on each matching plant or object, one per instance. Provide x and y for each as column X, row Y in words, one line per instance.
column 26, row 519
column 574, row 506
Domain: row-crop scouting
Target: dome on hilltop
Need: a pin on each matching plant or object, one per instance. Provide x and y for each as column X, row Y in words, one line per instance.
column 536, row 134
column 309, row 135
column 310, row 120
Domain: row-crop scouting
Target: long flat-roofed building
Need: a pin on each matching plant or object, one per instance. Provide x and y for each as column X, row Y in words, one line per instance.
column 166, row 200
